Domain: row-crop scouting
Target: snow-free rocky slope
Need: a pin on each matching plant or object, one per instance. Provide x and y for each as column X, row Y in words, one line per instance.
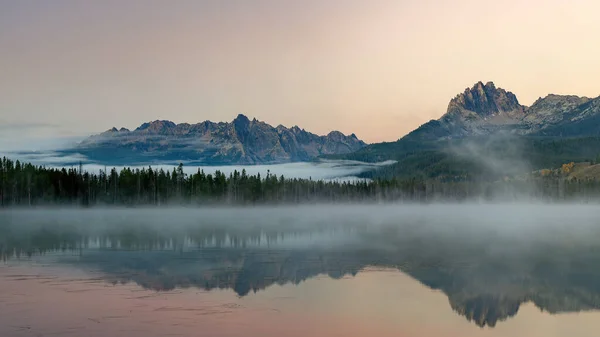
column 485, row 109
column 242, row 141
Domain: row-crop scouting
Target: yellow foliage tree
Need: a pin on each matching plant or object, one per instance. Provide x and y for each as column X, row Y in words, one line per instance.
column 567, row 168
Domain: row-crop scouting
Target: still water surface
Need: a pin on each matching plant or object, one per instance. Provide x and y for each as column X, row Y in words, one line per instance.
column 477, row 270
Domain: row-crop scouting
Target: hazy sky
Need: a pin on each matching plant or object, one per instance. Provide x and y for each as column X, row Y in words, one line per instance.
column 378, row 68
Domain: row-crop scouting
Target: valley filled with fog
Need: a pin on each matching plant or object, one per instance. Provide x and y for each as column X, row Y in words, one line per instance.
column 339, row 170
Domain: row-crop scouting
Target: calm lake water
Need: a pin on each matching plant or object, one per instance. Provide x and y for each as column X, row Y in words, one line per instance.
column 447, row 270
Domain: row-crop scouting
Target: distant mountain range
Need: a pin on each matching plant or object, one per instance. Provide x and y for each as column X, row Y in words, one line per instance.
column 555, row 129
column 243, row 141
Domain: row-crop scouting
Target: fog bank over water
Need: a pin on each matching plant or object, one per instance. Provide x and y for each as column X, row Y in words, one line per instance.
column 508, row 218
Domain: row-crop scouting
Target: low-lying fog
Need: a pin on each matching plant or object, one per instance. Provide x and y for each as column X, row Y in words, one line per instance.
column 521, row 221
column 487, row 258
column 342, row 170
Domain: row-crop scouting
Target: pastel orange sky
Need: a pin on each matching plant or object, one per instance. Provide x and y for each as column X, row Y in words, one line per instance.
column 377, row 68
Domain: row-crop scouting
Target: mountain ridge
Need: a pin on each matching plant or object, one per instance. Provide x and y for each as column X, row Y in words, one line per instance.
column 554, row 130
column 241, row 141
column 485, row 109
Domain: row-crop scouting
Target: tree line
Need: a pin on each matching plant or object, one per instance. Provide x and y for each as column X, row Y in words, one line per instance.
column 25, row 184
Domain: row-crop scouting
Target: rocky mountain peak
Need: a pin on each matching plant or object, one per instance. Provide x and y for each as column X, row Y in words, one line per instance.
column 489, row 85
column 335, row 135
column 554, row 100
column 114, row 131
column 557, row 109
column 479, row 110
column 486, row 100
column 157, row 126
column 241, row 123
column 241, row 127
column 241, row 118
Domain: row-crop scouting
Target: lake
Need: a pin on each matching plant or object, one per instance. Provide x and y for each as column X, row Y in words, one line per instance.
column 435, row 270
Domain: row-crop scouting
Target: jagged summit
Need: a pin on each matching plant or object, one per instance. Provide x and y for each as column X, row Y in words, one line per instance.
column 115, row 130
column 485, row 100
column 551, row 110
column 241, row 141
column 484, row 109
column 242, row 118
column 555, row 97
column 481, row 109
column 156, row 126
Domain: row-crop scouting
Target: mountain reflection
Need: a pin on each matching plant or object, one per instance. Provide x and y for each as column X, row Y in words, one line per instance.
column 486, row 275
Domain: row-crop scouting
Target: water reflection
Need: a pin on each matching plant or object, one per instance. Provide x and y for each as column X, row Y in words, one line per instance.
column 487, row 274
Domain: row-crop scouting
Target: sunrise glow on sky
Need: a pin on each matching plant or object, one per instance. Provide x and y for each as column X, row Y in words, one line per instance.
column 375, row 68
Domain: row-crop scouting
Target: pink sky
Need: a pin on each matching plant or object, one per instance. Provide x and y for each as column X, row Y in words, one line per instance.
column 376, row 68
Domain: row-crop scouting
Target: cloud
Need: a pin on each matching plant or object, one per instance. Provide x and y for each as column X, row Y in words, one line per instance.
column 49, row 158
column 338, row 170
column 500, row 154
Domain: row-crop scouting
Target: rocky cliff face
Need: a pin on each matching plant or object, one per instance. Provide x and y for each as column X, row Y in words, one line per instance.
column 486, row 102
column 243, row 141
column 485, row 109
column 571, row 116
column 479, row 110
column 551, row 110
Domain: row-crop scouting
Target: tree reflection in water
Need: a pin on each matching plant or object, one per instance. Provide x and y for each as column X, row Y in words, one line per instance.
column 486, row 274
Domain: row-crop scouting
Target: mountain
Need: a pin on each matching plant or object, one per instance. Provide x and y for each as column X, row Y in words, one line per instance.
column 581, row 118
column 485, row 109
column 243, row 141
column 480, row 110
column 486, row 129
column 551, row 110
